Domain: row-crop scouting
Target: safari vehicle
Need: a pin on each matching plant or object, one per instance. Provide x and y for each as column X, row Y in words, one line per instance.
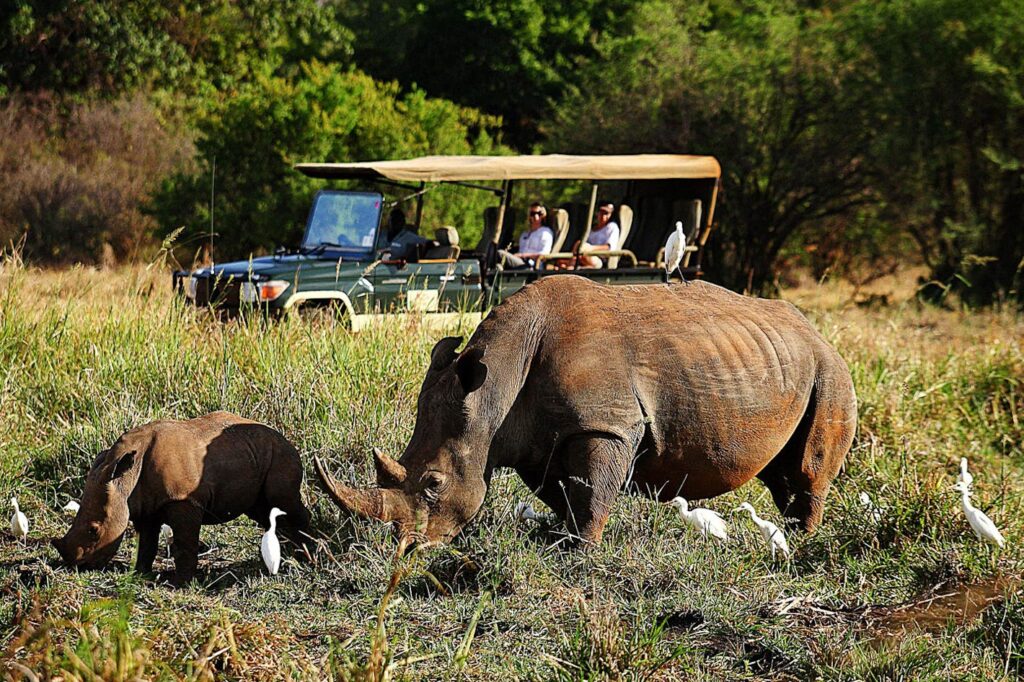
column 343, row 259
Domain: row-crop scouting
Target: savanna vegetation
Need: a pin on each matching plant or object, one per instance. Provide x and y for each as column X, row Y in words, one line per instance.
column 855, row 135
column 84, row 356
column 871, row 152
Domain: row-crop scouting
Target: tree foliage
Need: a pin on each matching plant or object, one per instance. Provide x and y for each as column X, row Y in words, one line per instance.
column 948, row 81
column 321, row 114
column 849, row 131
column 514, row 58
column 765, row 97
column 189, row 46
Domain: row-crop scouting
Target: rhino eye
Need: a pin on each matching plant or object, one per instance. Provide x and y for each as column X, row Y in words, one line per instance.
column 94, row 530
column 434, row 483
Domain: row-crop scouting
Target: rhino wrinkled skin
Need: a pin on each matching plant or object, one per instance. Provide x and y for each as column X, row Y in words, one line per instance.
column 586, row 390
column 186, row 474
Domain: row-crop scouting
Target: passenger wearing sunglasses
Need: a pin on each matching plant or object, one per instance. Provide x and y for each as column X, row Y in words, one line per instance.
column 537, row 239
column 604, row 236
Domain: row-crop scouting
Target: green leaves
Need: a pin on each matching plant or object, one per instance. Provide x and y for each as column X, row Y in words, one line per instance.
column 322, row 114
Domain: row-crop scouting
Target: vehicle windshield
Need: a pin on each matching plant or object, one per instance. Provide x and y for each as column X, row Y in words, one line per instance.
column 343, row 220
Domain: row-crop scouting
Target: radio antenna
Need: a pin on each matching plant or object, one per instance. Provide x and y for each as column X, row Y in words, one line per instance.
column 213, row 176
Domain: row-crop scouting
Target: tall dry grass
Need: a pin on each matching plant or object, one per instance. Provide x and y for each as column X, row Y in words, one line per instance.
column 86, row 354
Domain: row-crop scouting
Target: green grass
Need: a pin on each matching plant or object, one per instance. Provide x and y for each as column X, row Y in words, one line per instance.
column 86, row 355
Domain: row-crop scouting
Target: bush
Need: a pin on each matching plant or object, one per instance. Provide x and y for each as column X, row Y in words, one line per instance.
column 75, row 176
column 323, row 114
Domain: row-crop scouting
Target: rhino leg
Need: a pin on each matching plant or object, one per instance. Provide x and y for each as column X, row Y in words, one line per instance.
column 185, row 520
column 149, row 542
column 800, row 476
column 595, row 471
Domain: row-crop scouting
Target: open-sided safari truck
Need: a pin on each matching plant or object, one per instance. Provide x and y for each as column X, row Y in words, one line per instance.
column 344, row 260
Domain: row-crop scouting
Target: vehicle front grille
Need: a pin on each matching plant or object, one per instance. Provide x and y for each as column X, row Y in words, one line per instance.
column 221, row 292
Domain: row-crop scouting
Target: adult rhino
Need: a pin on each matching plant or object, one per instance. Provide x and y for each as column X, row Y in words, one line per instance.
column 684, row 389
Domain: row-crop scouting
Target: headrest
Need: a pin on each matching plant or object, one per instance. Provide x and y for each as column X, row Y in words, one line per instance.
column 447, row 236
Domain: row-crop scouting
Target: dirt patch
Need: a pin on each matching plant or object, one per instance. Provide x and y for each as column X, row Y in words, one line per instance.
column 931, row 612
column 959, row 605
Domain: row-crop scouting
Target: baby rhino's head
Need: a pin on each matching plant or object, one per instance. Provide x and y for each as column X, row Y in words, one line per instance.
column 102, row 519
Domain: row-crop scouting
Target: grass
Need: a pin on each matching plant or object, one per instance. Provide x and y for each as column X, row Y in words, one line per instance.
column 84, row 355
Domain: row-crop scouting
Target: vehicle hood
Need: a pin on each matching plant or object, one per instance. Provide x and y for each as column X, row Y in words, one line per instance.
column 264, row 266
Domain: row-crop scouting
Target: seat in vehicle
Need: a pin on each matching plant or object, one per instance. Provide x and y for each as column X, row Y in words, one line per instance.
column 559, row 223
column 485, row 248
column 625, row 224
column 447, row 249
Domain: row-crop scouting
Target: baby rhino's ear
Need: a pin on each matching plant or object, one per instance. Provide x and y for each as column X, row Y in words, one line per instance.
column 444, row 353
column 123, row 465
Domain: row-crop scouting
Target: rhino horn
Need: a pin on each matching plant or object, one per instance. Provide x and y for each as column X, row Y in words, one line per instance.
column 368, row 503
column 389, row 472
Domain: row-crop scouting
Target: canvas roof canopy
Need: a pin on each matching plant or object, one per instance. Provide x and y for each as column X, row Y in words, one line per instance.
column 538, row 167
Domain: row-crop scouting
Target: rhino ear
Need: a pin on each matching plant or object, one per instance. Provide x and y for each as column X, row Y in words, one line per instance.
column 123, row 465
column 444, row 352
column 471, row 370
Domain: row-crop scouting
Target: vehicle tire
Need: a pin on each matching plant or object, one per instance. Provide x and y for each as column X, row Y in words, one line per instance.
column 326, row 313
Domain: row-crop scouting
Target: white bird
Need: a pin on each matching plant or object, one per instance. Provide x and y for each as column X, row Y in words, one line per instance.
column 270, row 546
column 703, row 520
column 19, row 522
column 675, row 246
column 769, row 531
column 526, row 512
column 874, row 512
column 167, row 537
column 980, row 523
column 72, row 507
column 965, row 476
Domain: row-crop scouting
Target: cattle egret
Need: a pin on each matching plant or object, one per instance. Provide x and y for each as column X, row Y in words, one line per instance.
column 526, row 512
column 703, row 520
column 980, row 523
column 965, row 476
column 674, row 249
column 874, row 512
column 72, row 507
column 270, row 546
column 19, row 522
column 167, row 537
column 769, row 531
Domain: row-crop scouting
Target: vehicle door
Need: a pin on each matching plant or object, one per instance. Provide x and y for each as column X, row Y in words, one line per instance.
column 442, row 287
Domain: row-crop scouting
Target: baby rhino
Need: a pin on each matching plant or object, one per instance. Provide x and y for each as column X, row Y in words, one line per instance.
column 184, row 474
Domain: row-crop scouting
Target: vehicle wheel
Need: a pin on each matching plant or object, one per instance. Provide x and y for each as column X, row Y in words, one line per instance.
column 327, row 313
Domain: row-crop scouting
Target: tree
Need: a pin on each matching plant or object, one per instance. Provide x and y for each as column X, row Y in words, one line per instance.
column 770, row 94
column 322, row 114
column 188, row 46
column 949, row 78
column 513, row 58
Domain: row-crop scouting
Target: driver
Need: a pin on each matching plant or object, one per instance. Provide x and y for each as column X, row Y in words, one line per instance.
column 403, row 243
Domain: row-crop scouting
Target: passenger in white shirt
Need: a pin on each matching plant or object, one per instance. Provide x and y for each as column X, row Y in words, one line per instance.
column 604, row 236
column 538, row 239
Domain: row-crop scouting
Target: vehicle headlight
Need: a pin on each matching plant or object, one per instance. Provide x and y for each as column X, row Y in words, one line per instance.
column 256, row 292
column 193, row 285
